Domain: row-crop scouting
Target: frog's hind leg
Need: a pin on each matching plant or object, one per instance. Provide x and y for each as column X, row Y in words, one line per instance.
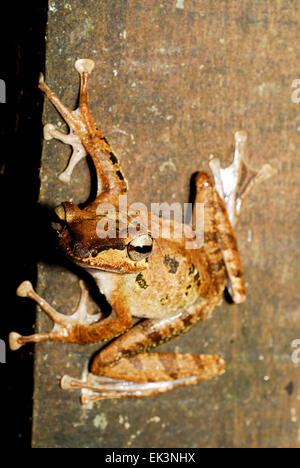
column 205, row 195
column 220, row 242
column 236, row 181
column 125, row 368
column 230, row 252
column 147, row 374
column 232, row 185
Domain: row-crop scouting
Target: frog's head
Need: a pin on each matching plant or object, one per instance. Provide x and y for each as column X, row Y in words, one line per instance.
column 86, row 239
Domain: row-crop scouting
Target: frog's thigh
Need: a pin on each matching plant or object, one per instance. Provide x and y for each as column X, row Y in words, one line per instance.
column 150, row 333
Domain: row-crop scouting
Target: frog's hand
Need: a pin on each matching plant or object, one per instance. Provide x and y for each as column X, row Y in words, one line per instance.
column 236, row 181
column 146, row 375
column 72, row 139
column 74, row 120
column 86, row 139
column 64, row 325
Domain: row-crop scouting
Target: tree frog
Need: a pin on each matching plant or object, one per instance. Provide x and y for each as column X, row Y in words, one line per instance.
column 168, row 286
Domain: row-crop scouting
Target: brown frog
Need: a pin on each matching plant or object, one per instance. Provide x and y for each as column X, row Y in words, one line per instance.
column 158, row 279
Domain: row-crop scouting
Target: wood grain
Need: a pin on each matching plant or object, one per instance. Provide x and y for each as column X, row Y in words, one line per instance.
column 170, row 87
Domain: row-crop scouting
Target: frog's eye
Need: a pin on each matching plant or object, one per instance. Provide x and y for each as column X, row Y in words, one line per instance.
column 140, row 248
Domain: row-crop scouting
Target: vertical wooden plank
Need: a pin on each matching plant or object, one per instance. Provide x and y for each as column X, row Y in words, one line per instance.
column 173, row 82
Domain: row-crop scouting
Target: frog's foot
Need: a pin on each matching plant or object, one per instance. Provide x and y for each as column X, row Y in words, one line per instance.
column 72, row 139
column 63, row 324
column 145, row 375
column 236, row 181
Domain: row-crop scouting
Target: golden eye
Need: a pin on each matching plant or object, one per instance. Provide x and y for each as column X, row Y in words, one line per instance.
column 140, row 248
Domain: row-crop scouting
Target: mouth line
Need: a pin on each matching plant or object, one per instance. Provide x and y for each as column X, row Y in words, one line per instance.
column 104, row 267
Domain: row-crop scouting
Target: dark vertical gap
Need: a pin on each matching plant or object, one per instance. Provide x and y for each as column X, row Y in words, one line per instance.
column 22, row 56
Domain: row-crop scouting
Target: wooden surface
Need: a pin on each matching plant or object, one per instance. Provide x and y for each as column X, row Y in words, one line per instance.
column 173, row 82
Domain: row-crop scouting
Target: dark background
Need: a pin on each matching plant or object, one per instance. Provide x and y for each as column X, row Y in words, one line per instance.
column 179, row 83
column 22, row 57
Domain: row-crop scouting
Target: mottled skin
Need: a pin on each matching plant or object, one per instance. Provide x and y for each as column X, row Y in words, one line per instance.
column 159, row 279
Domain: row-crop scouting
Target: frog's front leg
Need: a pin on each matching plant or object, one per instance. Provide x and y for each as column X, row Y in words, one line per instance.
column 236, row 181
column 125, row 368
column 85, row 138
column 80, row 327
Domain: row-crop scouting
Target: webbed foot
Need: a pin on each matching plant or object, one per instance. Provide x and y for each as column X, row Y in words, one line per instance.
column 144, row 375
column 236, row 181
column 72, row 139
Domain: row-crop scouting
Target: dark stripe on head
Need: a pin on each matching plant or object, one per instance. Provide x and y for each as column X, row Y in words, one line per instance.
column 109, row 247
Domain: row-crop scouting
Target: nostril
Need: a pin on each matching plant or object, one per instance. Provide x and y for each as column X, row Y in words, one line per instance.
column 81, row 250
